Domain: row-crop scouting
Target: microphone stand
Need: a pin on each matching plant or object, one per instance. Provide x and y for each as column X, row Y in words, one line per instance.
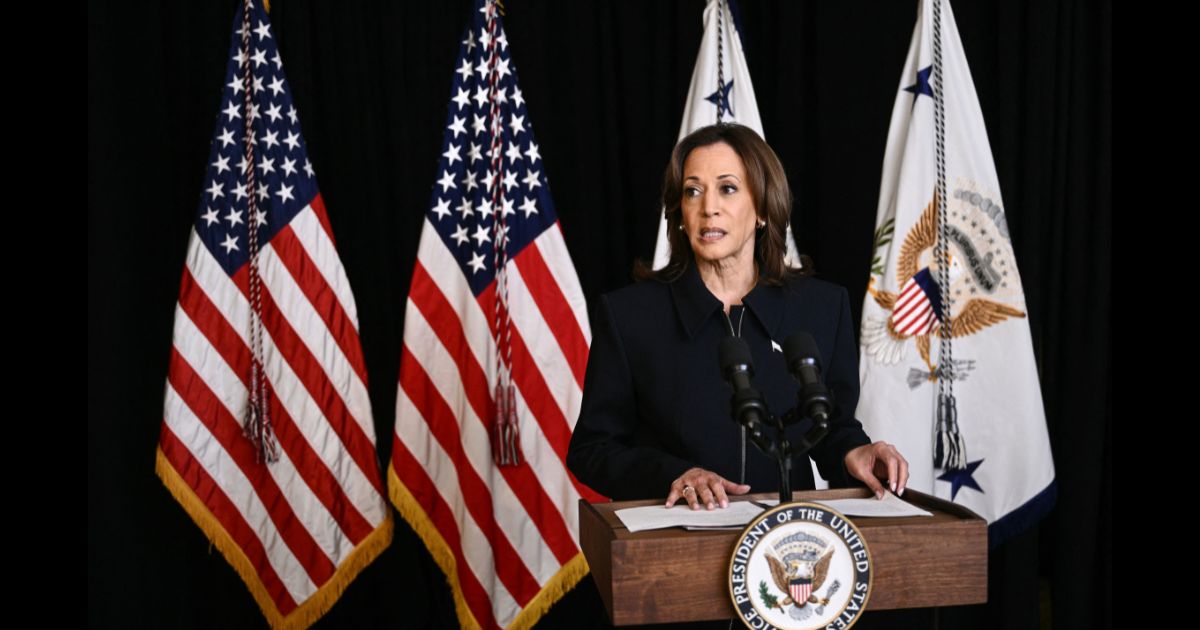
column 780, row 448
column 750, row 410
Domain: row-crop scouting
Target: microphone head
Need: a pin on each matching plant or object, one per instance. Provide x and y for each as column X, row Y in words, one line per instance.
column 800, row 348
column 732, row 353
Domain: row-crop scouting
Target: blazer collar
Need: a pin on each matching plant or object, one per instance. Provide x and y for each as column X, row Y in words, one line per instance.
column 694, row 303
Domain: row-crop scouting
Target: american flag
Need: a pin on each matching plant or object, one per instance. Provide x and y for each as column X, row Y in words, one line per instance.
column 298, row 526
column 506, row 535
column 915, row 312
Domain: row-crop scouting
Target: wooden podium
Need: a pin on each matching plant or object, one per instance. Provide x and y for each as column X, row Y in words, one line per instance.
column 671, row 575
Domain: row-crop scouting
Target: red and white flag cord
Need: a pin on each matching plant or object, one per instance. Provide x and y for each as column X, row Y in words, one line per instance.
column 506, row 445
column 257, row 427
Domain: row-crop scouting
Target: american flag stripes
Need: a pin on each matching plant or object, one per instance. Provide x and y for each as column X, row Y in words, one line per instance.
column 297, row 527
column 506, row 536
column 914, row 313
column 799, row 589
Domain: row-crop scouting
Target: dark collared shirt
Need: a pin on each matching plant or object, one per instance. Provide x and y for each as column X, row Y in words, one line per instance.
column 655, row 403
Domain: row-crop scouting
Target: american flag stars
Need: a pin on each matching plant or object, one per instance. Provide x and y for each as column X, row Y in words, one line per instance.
column 469, row 192
column 283, row 175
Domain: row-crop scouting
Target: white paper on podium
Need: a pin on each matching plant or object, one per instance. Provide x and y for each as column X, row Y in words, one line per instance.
column 738, row 514
column 890, row 506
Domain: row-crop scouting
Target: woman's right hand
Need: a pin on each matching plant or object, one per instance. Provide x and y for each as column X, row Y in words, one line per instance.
column 698, row 486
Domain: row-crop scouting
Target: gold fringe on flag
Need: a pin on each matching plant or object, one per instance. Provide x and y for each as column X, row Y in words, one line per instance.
column 320, row 602
column 567, row 577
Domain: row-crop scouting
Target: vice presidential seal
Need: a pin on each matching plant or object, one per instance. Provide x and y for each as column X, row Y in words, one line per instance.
column 800, row 566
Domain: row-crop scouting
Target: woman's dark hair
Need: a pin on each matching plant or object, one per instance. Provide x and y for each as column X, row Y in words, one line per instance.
column 768, row 188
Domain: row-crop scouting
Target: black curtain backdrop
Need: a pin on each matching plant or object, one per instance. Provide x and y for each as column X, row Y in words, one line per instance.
column 605, row 84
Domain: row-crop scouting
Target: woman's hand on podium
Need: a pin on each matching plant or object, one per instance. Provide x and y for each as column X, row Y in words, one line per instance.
column 698, row 486
column 873, row 462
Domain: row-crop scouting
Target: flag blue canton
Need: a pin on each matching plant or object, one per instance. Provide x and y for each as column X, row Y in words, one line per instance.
column 461, row 207
column 284, row 178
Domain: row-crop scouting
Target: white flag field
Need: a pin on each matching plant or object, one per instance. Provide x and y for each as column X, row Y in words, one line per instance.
column 994, row 455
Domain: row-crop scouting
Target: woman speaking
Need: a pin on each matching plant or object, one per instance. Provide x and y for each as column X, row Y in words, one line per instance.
column 655, row 415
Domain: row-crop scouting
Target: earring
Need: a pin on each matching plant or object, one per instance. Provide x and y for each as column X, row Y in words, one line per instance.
column 681, row 228
column 762, row 224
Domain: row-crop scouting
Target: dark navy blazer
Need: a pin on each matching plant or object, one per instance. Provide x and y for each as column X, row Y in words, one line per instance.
column 655, row 403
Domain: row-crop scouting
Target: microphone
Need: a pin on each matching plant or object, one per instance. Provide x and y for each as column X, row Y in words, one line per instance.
column 804, row 362
column 737, row 367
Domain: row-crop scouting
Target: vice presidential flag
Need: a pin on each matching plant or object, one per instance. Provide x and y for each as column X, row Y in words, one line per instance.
column 495, row 346
column 720, row 92
column 267, row 437
column 948, row 372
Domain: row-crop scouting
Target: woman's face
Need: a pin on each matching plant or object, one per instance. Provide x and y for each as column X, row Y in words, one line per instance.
column 718, row 209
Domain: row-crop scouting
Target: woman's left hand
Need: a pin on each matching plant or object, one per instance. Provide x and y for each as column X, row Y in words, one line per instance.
column 880, row 460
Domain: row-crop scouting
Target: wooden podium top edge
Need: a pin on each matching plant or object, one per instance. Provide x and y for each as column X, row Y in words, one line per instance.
column 943, row 511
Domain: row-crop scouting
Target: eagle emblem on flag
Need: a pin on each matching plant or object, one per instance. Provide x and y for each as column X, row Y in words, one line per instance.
column 980, row 282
